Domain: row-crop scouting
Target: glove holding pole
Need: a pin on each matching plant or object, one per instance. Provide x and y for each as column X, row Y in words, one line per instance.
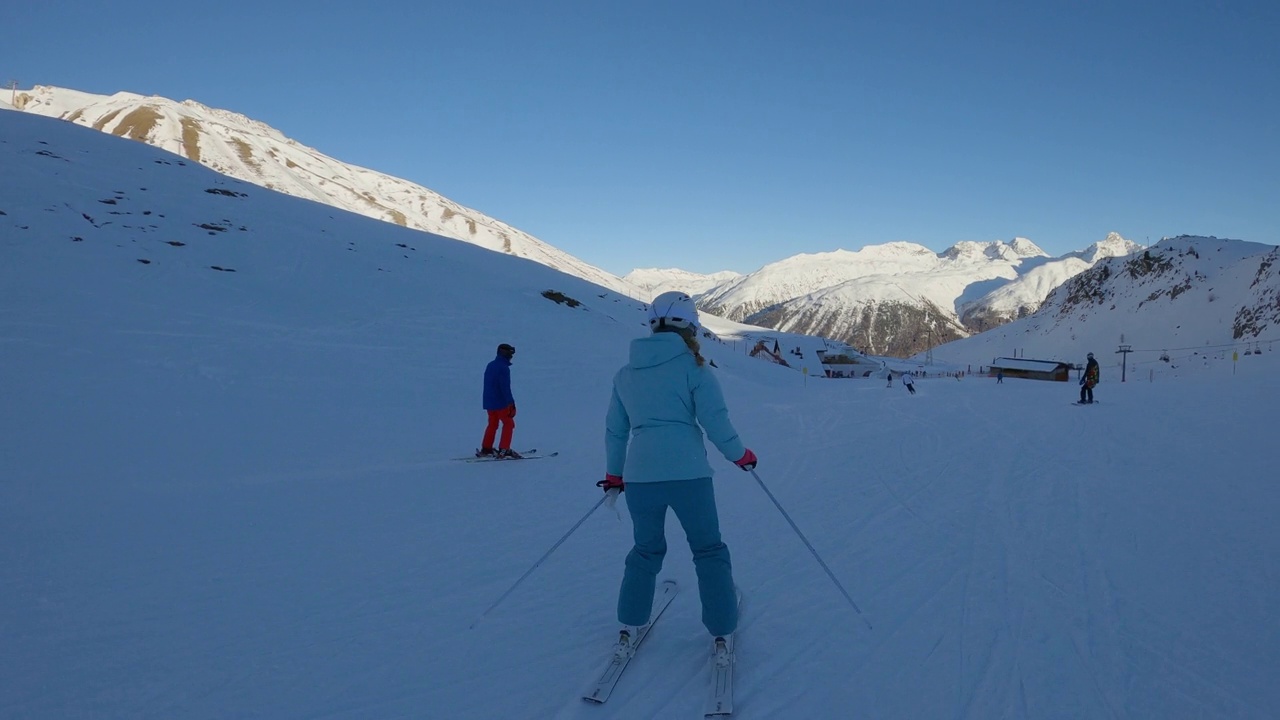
column 612, row 485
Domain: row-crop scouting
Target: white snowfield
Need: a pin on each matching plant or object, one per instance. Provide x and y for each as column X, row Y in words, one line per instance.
column 228, row 494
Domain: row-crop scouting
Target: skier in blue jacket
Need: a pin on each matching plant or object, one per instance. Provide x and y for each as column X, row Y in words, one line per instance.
column 500, row 405
column 663, row 400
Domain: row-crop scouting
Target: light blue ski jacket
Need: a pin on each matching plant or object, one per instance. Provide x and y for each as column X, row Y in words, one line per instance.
column 659, row 401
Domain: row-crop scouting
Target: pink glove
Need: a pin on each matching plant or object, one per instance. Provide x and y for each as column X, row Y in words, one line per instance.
column 747, row 461
column 612, row 482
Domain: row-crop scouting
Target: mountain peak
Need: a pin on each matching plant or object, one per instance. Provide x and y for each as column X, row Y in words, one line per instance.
column 1113, row 245
column 1016, row 251
column 1025, row 248
column 659, row 280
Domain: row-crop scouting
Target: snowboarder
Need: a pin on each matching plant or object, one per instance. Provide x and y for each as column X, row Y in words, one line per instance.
column 500, row 405
column 662, row 401
column 1090, row 379
column 909, row 382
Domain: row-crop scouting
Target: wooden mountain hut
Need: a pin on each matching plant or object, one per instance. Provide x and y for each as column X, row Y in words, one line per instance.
column 1031, row 369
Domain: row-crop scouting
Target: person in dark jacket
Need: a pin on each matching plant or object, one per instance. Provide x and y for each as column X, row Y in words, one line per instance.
column 500, row 405
column 1091, row 377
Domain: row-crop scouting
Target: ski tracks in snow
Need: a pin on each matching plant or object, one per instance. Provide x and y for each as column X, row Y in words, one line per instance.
column 980, row 541
column 996, row 530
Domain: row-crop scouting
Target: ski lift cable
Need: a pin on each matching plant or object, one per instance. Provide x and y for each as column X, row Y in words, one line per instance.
column 1242, row 343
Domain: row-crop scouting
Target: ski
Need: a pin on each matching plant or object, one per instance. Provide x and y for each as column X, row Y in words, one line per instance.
column 602, row 687
column 720, row 694
column 476, row 457
column 523, row 456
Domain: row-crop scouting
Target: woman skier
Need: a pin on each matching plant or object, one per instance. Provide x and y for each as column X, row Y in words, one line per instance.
column 662, row 401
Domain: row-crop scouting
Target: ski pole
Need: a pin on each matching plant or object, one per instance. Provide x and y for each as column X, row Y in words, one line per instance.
column 545, row 555
column 809, row 545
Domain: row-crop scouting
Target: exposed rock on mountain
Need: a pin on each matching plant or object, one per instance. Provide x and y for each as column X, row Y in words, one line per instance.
column 1202, row 294
column 1023, row 295
column 248, row 150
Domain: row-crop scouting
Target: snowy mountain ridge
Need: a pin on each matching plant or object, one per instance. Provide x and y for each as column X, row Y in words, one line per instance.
column 1016, row 250
column 1186, row 299
column 805, row 273
column 1036, row 279
column 898, row 298
column 655, row 281
column 250, row 150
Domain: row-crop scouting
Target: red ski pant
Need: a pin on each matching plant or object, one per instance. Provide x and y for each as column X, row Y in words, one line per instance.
column 508, row 426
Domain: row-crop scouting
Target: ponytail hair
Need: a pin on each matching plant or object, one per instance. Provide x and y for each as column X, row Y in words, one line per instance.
column 690, row 336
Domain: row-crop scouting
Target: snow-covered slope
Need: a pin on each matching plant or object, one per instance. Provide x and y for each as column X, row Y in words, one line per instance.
column 243, row 148
column 802, row 274
column 837, row 293
column 1188, row 299
column 1024, row 294
column 226, row 491
column 875, row 314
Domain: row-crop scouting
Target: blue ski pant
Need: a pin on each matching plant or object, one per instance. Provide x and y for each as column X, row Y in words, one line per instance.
column 694, row 503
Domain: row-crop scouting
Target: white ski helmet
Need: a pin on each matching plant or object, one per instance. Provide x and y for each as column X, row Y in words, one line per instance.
column 673, row 309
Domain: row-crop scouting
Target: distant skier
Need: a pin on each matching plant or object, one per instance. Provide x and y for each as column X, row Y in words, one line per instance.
column 500, row 405
column 1091, row 377
column 662, row 401
column 890, row 379
column 909, row 382
column 999, row 377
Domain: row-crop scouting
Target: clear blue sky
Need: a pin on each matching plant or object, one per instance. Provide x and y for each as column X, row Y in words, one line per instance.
column 709, row 135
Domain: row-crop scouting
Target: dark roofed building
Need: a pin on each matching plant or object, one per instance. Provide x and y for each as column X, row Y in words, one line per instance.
column 1031, row 369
